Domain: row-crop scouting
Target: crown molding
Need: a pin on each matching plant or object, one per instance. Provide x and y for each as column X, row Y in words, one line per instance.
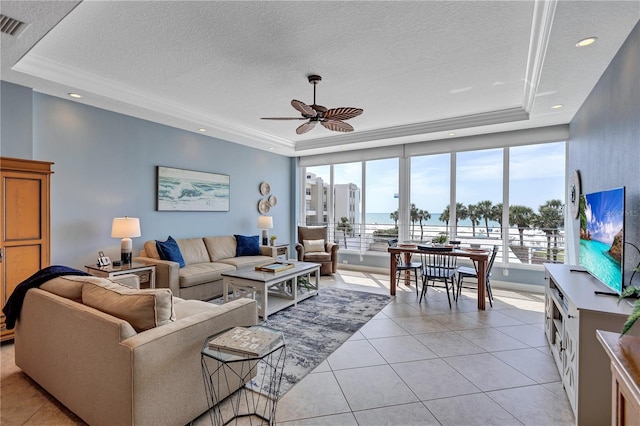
column 543, row 13
column 46, row 69
column 394, row 132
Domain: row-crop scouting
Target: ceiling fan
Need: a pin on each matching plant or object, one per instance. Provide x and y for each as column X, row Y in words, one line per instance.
column 329, row 118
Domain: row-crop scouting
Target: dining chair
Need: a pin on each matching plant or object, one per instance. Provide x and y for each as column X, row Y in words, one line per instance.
column 438, row 267
column 402, row 267
column 468, row 272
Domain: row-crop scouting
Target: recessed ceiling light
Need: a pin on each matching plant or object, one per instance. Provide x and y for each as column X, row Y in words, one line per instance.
column 271, row 148
column 586, row 42
column 452, row 134
column 75, row 95
column 558, row 106
column 201, row 129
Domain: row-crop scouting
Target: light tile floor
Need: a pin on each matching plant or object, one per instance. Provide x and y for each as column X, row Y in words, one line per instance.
column 412, row 364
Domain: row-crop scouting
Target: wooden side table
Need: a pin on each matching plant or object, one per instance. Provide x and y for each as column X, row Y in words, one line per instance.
column 625, row 378
column 146, row 273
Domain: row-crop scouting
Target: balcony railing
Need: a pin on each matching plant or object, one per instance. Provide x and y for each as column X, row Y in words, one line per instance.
column 534, row 246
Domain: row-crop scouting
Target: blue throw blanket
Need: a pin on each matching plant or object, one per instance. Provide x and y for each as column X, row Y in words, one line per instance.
column 14, row 304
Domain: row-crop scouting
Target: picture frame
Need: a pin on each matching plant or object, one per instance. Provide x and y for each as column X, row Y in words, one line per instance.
column 190, row 190
column 103, row 260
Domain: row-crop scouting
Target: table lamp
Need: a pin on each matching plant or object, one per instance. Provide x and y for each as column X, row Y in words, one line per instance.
column 264, row 223
column 125, row 228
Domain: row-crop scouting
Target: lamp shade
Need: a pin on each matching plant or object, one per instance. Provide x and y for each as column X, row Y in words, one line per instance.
column 125, row 227
column 265, row 222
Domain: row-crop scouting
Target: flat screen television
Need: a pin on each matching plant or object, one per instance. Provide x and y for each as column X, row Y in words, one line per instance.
column 602, row 236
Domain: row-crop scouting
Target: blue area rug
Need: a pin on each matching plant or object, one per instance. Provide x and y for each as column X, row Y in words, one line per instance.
column 318, row 326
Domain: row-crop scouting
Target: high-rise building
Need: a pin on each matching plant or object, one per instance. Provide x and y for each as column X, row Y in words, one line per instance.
column 316, row 200
column 346, row 203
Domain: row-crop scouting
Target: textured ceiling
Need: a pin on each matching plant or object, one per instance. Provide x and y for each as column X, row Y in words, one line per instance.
column 420, row 70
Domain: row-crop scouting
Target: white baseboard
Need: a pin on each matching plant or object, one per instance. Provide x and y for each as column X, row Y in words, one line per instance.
column 505, row 285
column 360, row 268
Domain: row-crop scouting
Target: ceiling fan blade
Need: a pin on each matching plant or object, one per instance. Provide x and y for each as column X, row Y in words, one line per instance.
column 306, row 127
column 343, row 113
column 337, row 126
column 282, row 118
column 304, row 109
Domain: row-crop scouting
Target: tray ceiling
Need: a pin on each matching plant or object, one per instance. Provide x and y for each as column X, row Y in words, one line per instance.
column 420, row 70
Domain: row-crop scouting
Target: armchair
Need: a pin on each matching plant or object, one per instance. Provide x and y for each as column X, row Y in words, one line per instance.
column 313, row 246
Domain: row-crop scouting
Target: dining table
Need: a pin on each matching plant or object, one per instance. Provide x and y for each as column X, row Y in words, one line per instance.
column 479, row 256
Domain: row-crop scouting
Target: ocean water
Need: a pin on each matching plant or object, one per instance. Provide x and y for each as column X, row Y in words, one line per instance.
column 594, row 257
column 384, row 219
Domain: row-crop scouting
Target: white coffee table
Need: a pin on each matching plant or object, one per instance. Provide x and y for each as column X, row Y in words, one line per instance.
column 274, row 291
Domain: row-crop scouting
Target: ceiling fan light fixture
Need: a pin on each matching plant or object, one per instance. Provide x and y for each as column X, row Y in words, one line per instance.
column 331, row 119
column 586, row 41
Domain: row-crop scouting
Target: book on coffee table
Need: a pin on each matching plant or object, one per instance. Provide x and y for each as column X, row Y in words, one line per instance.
column 275, row 267
column 244, row 341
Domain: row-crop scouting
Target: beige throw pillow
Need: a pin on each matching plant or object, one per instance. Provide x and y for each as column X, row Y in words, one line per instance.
column 311, row 246
column 143, row 309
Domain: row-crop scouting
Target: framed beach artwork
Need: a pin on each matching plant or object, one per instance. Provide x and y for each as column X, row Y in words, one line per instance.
column 189, row 190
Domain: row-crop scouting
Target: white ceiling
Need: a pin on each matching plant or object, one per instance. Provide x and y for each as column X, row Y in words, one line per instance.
column 420, row 70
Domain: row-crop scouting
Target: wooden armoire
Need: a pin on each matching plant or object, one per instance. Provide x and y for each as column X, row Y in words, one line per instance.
column 24, row 224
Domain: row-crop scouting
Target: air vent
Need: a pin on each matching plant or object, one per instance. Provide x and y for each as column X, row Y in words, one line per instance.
column 10, row 26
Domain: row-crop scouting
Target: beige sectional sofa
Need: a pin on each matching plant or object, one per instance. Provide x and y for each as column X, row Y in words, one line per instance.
column 110, row 371
column 206, row 259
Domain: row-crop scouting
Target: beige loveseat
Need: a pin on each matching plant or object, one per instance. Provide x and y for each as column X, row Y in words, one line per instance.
column 103, row 369
column 206, row 259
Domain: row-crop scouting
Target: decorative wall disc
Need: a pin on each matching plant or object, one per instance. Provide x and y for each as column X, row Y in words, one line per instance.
column 273, row 200
column 265, row 188
column 263, row 206
column 574, row 194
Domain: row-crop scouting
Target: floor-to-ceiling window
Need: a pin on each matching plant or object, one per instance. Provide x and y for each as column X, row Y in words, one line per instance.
column 430, row 195
column 347, row 187
column 536, row 200
column 481, row 197
column 381, row 203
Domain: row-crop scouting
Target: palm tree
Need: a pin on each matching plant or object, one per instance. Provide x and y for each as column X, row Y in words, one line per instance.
column 394, row 216
column 423, row 215
column 461, row 213
column 472, row 211
column 345, row 227
column 413, row 216
column 484, row 211
column 521, row 216
column 444, row 216
column 549, row 219
column 496, row 215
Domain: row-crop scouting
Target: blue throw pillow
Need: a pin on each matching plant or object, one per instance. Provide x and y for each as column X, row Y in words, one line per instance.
column 169, row 250
column 247, row 246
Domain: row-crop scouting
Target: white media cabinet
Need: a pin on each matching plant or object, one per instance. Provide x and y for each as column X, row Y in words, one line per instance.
column 573, row 313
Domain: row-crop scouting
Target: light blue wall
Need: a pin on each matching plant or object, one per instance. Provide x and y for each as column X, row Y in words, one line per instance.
column 105, row 167
column 15, row 121
column 605, row 142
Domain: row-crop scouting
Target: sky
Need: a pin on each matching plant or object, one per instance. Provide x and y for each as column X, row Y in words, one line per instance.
column 605, row 214
column 536, row 176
